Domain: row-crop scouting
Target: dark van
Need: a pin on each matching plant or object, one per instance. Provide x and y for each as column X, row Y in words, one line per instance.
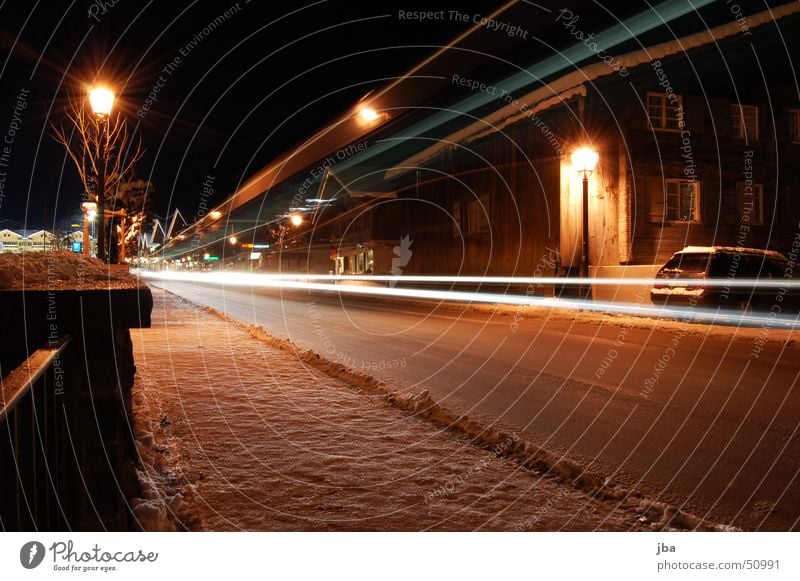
column 722, row 267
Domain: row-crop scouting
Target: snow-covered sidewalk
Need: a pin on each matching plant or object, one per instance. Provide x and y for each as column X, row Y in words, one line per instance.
column 238, row 435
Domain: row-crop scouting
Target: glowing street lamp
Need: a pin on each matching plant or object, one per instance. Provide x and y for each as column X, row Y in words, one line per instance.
column 216, row 215
column 102, row 100
column 368, row 114
column 296, row 219
column 584, row 160
column 233, row 240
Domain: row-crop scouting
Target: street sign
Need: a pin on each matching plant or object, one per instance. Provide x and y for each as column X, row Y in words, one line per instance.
column 211, row 258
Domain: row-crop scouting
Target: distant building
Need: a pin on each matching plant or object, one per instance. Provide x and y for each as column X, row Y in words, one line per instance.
column 29, row 241
column 10, row 241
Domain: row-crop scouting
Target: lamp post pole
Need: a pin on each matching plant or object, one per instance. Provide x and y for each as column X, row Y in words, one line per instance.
column 584, row 161
column 89, row 210
column 101, row 191
column 101, row 100
column 86, row 239
column 585, row 273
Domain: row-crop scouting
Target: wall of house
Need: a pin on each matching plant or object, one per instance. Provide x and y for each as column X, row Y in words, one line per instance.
column 490, row 207
column 710, row 80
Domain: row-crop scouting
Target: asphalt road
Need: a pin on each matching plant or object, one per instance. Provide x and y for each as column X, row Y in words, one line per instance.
column 701, row 417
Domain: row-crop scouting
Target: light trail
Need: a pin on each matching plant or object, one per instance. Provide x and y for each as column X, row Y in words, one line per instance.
column 773, row 319
column 526, row 280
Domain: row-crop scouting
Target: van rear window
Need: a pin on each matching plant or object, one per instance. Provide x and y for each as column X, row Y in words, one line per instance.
column 686, row 265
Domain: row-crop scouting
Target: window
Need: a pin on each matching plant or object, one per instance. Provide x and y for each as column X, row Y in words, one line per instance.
column 471, row 216
column 665, row 111
column 683, row 201
column 750, row 203
column 370, row 265
column 457, row 219
column 744, row 121
column 478, row 215
column 685, row 265
column 794, row 124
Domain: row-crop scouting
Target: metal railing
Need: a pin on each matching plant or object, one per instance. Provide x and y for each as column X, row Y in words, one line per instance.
column 34, row 442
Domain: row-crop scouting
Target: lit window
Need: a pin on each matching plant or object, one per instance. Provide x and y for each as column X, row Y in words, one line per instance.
column 370, row 266
column 664, row 111
column 794, row 124
column 750, row 198
column 683, row 200
column 744, row 121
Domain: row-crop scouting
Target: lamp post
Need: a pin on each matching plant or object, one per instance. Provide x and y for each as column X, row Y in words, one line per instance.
column 101, row 100
column 89, row 210
column 584, row 161
column 280, row 232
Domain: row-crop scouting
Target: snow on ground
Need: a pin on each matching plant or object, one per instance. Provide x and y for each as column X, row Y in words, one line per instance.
column 60, row 270
column 237, row 434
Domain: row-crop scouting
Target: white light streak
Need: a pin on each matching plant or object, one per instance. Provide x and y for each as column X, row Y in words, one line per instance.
column 303, row 282
column 519, row 280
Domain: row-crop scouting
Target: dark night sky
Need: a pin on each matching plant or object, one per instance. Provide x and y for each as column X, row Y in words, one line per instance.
column 241, row 95
column 215, row 107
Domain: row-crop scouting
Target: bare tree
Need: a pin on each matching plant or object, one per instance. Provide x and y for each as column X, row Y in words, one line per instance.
column 103, row 152
column 131, row 202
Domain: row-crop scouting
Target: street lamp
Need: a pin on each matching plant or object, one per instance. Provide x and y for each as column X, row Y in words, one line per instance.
column 101, row 100
column 296, row 219
column 368, row 114
column 584, row 161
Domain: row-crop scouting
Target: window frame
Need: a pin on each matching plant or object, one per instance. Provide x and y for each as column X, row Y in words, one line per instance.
column 794, row 125
column 697, row 210
column 472, row 217
column 758, row 203
column 742, row 127
column 665, row 107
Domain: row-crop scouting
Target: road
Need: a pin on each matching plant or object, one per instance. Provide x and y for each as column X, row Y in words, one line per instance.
column 701, row 417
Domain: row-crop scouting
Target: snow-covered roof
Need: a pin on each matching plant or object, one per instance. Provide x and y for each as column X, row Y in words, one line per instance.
column 729, row 249
column 27, row 234
column 574, row 83
column 40, row 234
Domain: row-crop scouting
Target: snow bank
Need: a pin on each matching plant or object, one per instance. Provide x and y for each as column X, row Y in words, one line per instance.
column 156, row 508
column 656, row 515
column 60, row 270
